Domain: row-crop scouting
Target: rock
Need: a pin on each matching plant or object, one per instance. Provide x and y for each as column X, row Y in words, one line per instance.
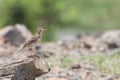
column 112, row 38
column 16, row 34
column 109, row 77
column 77, row 66
column 2, row 50
column 93, row 44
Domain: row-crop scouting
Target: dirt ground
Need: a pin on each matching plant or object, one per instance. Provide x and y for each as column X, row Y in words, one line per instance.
column 79, row 57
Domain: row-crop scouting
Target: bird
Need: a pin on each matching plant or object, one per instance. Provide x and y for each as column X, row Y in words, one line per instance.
column 32, row 41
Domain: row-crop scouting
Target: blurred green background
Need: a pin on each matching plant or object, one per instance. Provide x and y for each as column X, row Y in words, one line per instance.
column 55, row 15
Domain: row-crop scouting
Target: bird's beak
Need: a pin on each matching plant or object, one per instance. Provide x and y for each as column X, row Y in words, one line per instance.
column 42, row 29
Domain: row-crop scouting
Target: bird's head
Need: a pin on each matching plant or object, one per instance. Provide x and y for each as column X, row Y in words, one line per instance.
column 40, row 30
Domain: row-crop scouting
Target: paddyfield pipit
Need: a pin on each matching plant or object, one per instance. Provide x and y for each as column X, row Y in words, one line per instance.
column 30, row 43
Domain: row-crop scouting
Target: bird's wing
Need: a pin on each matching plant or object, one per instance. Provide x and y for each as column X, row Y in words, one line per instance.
column 29, row 42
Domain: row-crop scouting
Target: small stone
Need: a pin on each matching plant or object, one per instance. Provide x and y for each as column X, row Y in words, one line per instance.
column 16, row 35
column 55, row 78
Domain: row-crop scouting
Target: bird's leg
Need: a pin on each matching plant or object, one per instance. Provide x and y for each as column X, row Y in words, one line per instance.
column 31, row 50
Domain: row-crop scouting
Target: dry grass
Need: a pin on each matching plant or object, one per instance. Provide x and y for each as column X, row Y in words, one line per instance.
column 103, row 63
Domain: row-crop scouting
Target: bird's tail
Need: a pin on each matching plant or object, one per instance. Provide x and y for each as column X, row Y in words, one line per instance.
column 19, row 50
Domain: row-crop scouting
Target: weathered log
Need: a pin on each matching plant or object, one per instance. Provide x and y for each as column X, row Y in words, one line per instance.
column 26, row 69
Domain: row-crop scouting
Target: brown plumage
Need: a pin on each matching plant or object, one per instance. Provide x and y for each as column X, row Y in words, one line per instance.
column 33, row 40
